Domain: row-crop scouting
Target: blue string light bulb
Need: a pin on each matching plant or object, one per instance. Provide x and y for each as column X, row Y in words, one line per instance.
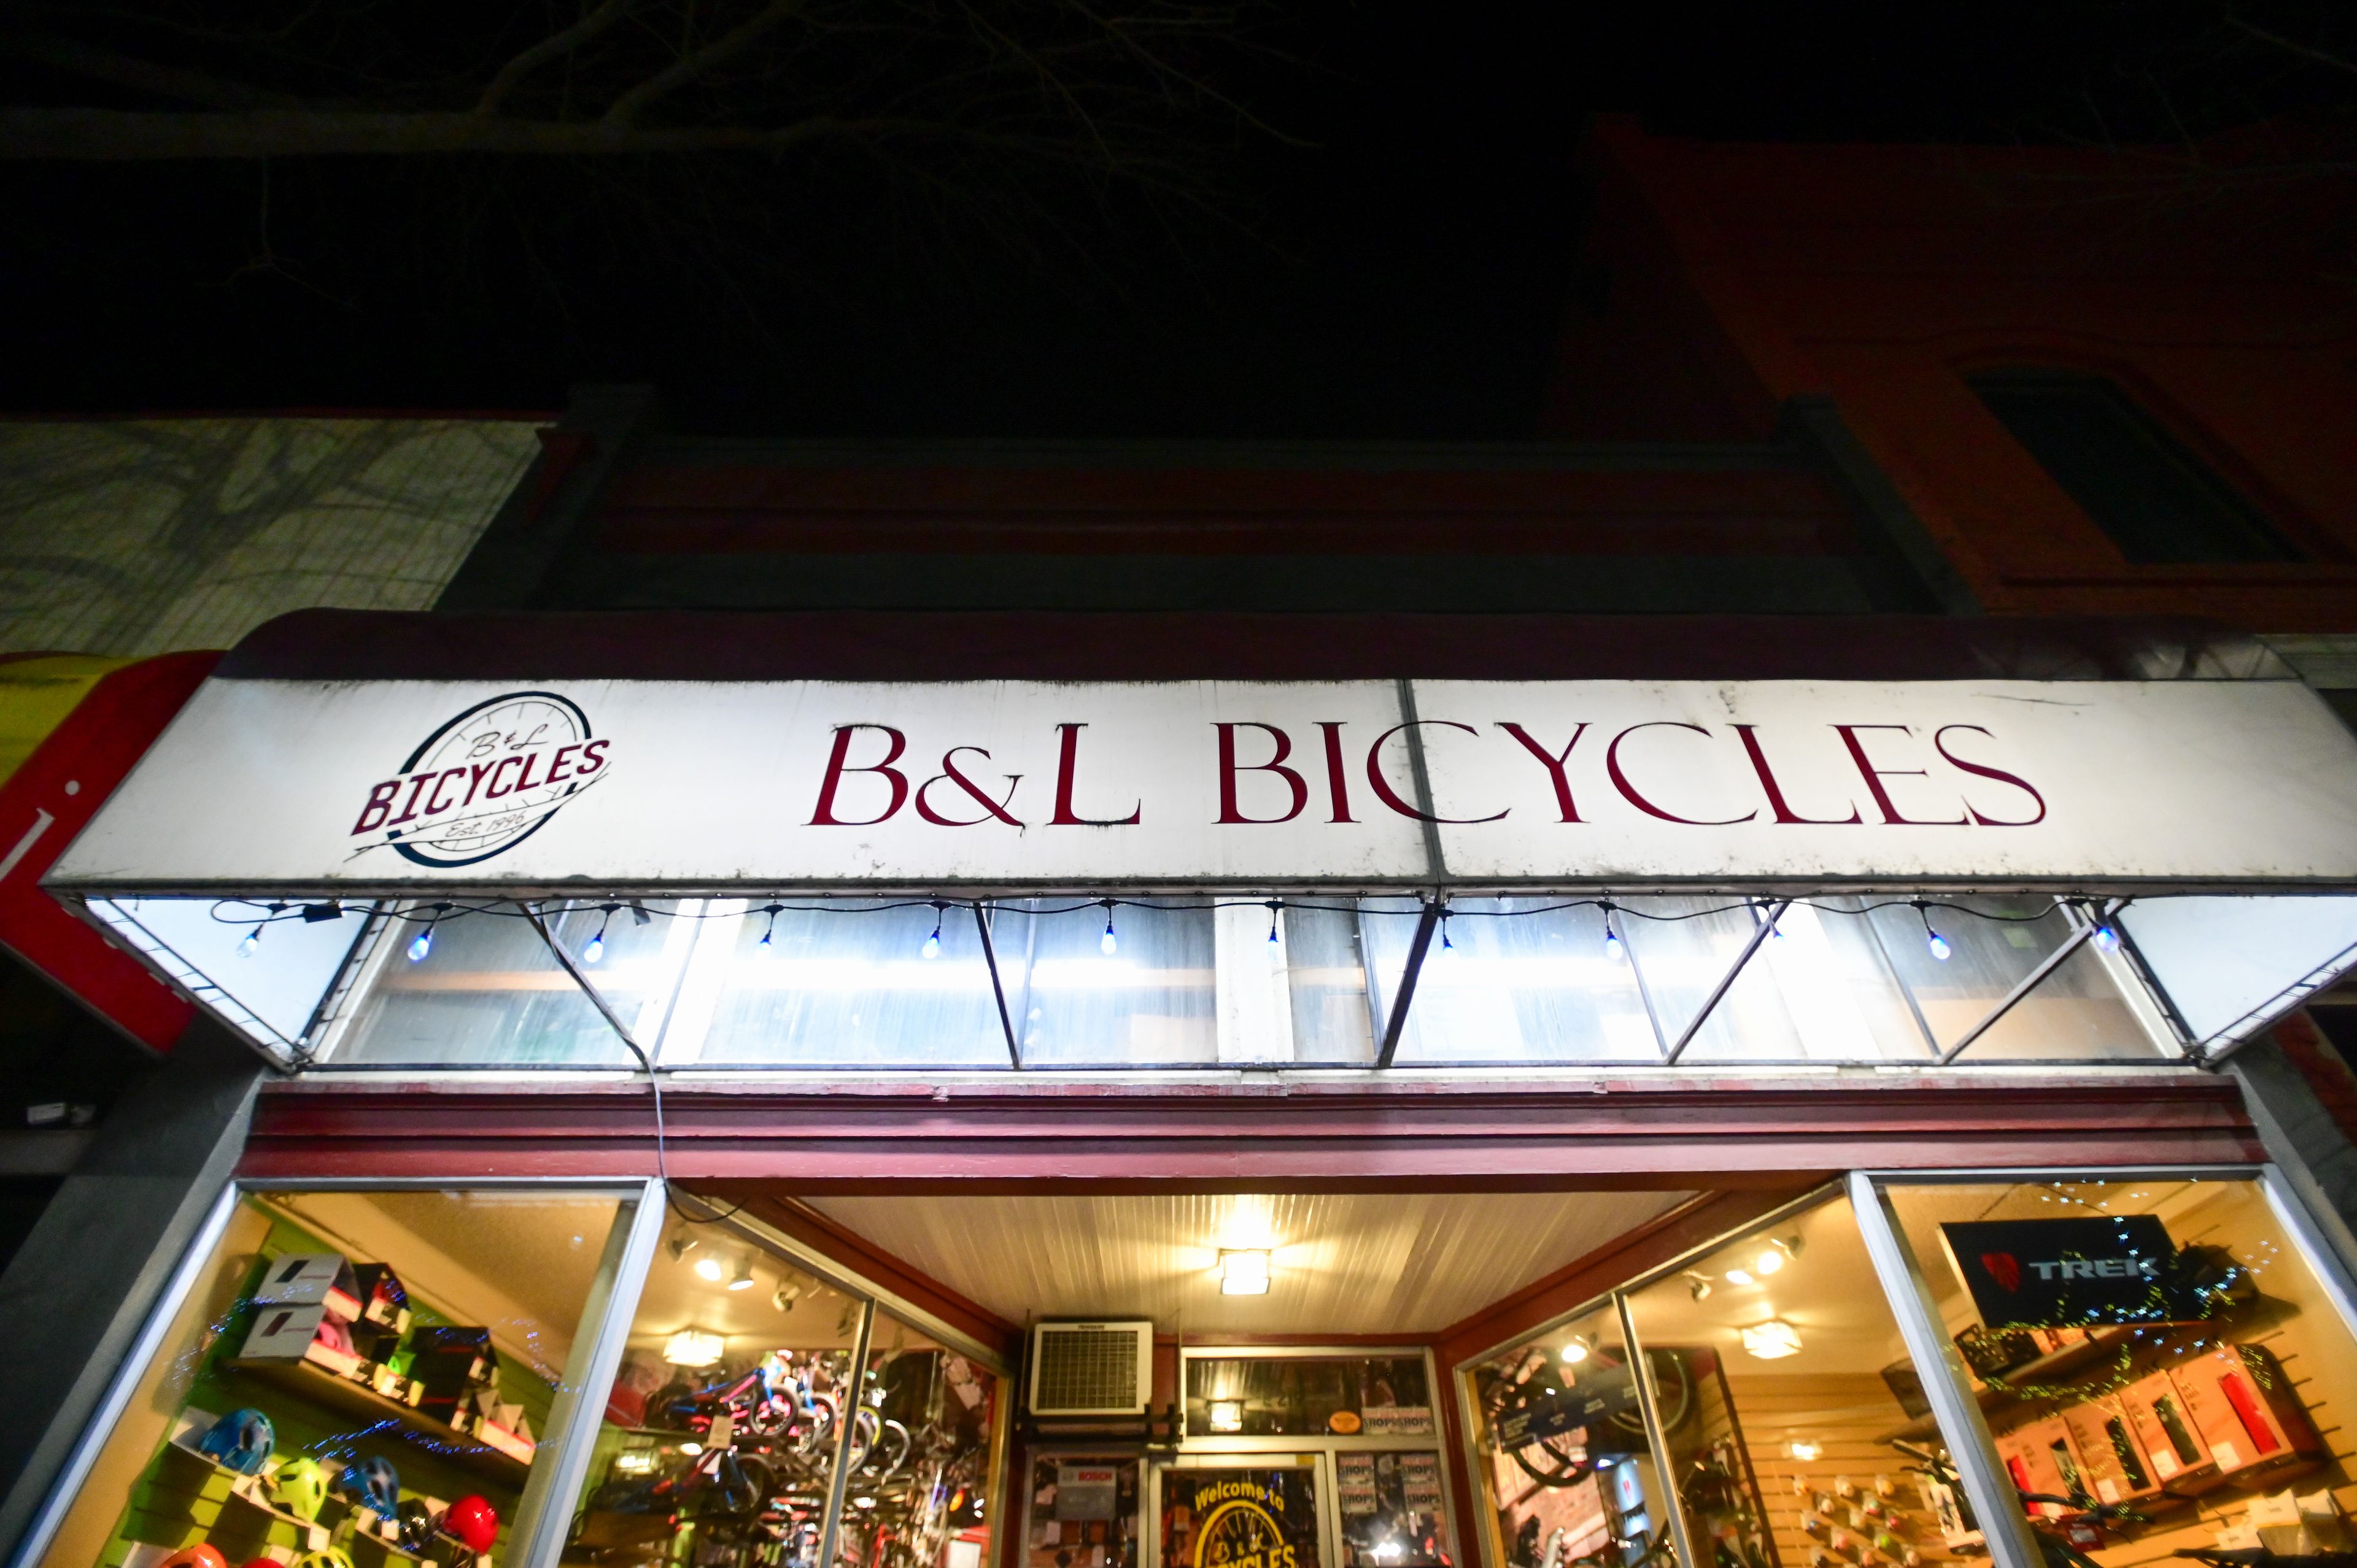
column 252, row 940
column 769, row 930
column 1614, row 948
column 1276, row 943
column 421, row 944
column 2107, row 936
column 1932, row 939
column 1107, row 944
column 933, row 943
column 594, row 948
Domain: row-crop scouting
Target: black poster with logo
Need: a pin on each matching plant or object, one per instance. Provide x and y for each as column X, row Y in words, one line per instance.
column 2072, row 1274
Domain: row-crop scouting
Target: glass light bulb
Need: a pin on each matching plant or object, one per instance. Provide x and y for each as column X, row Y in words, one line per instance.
column 421, row 944
column 1105, row 944
column 1939, row 946
column 1768, row 1262
column 2106, row 939
column 1614, row 948
column 709, row 1268
column 933, row 943
column 595, row 949
column 252, row 940
column 1576, row 1352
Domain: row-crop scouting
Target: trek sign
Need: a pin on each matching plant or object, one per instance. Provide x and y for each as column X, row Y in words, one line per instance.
column 272, row 784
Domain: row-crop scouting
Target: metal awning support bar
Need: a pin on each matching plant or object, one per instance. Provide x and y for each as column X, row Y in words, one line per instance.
column 2030, row 982
column 998, row 987
column 1759, row 934
column 1395, row 1022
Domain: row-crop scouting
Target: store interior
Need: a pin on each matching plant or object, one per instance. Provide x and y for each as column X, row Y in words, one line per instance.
column 1193, row 1379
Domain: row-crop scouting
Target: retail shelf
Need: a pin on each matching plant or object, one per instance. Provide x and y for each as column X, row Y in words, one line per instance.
column 2052, row 1367
column 305, row 1381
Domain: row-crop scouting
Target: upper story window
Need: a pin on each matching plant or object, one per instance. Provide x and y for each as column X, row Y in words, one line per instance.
column 2156, row 500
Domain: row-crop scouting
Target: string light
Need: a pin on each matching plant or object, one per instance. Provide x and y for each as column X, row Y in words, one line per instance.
column 1276, row 945
column 1932, row 938
column 769, row 930
column 933, row 943
column 1614, row 948
column 2107, row 936
column 594, row 948
column 252, row 940
column 421, row 944
column 1107, row 944
column 1446, row 945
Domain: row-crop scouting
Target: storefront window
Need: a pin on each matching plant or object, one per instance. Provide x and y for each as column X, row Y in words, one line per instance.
column 1307, row 1396
column 1783, row 1388
column 373, row 1374
column 918, row 1486
column 2158, row 1366
column 737, row 1401
column 2080, row 1012
column 1568, row 1475
column 851, row 982
column 479, row 986
column 1082, row 1510
column 1131, row 983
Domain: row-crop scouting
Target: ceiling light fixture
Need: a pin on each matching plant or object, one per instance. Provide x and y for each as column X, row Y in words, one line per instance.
column 694, row 1348
column 708, row 1267
column 1227, row 1415
column 1772, row 1340
column 1740, row 1277
column 1243, row 1271
column 1575, row 1350
column 744, row 1279
column 1697, row 1286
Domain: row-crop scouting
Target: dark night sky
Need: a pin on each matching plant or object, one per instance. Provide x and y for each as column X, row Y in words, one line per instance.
column 1400, row 277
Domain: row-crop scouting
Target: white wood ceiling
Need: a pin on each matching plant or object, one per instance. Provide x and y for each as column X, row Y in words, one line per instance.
column 1343, row 1263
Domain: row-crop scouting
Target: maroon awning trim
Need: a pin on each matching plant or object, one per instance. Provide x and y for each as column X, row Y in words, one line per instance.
column 864, row 645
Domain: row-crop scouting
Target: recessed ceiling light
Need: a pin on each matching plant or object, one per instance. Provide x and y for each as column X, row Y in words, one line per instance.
column 1772, row 1340
column 1227, row 1415
column 708, row 1267
column 694, row 1348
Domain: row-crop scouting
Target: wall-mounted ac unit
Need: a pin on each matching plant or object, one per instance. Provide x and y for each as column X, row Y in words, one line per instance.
column 1092, row 1369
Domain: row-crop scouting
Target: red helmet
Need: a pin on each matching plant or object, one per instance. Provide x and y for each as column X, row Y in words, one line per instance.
column 203, row 1554
column 474, row 1521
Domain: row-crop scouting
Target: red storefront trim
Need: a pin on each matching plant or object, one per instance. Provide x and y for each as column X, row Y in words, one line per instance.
column 1430, row 1135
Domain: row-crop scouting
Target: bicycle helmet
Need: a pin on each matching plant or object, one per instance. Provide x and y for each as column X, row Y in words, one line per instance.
column 240, row 1441
column 373, row 1483
column 203, row 1554
column 299, row 1487
column 473, row 1521
column 417, row 1525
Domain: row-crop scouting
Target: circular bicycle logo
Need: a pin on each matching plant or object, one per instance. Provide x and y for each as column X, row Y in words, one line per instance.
column 485, row 781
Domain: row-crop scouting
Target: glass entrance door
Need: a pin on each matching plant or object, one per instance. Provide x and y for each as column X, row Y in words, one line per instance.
column 1242, row 1511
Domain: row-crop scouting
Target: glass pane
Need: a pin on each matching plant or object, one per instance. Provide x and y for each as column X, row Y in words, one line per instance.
column 917, row 1495
column 2158, row 1366
column 1302, row 1396
column 1144, row 998
column 1081, row 1505
column 379, row 1366
column 723, row 1423
column 1388, row 929
column 1525, row 980
column 1569, row 1475
column 1819, row 988
column 1781, row 1375
column 848, row 982
column 479, row 986
column 1993, row 944
column 1327, row 979
column 1391, row 1508
column 1234, row 1515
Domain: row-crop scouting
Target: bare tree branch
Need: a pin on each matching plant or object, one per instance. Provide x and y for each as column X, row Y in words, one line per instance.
column 141, row 76
column 116, row 136
column 549, row 48
column 689, row 66
column 2293, row 45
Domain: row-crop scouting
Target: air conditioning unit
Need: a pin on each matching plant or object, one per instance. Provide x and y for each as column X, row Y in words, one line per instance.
column 1092, row 1369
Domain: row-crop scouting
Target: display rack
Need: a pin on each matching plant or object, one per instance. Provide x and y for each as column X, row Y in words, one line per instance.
column 2055, row 1366
column 346, row 1398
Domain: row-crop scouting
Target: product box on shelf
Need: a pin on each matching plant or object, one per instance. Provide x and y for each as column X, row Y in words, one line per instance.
column 302, row 1334
column 383, row 1299
column 451, row 1362
column 2041, row 1458
column 2238, row 1399
column 2112, row 1463
column 2181, row 1461
column 311, row 1279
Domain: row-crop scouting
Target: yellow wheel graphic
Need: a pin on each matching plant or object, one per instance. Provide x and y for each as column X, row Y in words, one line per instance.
column 1239, row 1534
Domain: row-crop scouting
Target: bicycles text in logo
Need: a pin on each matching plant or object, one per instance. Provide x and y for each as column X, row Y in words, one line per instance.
column 485, row 781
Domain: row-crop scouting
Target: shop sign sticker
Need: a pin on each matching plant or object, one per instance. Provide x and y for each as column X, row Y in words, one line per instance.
column 1084, row 1491
column 1397, row 1420
column 1354, row 1482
